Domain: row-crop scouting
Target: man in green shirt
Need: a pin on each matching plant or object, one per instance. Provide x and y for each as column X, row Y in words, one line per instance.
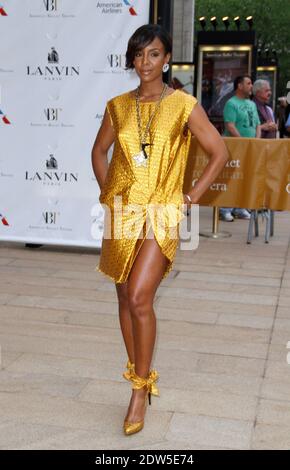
column 241, row 120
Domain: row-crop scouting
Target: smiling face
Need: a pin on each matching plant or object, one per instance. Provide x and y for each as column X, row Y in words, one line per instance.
column 148, row 62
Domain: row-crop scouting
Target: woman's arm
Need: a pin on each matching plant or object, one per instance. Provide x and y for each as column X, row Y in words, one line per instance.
column 211, row 141
column 105, row 138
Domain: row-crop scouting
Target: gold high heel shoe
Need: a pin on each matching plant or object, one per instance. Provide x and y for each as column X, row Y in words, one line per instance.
column 151, row 389
column 130, row 372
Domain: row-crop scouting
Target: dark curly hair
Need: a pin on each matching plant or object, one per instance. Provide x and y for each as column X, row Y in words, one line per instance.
column 144, row 36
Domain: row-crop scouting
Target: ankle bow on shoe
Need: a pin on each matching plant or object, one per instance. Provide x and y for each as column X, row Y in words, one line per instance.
column 130, row 372
column 149, row 383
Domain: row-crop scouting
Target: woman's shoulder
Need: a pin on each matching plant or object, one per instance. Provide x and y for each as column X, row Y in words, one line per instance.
column 185, row 97
column 120, row 99
column 184, row 102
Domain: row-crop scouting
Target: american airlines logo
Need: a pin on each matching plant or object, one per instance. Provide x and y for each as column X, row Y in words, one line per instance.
column 2, row 11
column 3, row 116
column 4, row 220
column 117, row 8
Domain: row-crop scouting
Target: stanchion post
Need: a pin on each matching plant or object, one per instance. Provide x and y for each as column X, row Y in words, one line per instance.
column 215, row 226
column 215, row 220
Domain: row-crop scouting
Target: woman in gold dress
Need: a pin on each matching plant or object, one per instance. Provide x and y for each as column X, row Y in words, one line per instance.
column 151, row 130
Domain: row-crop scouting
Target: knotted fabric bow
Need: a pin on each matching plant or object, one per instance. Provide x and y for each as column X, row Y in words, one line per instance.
column 150, row 383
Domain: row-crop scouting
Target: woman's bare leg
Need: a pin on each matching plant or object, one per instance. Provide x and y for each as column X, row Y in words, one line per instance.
column 143, row 281
column 125, row 319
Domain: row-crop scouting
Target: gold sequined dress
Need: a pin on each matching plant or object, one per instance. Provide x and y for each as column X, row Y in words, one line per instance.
column 130, row 192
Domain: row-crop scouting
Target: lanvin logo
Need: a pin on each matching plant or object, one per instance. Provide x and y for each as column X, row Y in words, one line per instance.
column 52, row 177
column 53, row 57
column 53, row 71
column 51, row 163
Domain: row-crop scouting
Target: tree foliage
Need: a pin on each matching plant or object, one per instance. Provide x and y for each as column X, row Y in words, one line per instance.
column 271, row 23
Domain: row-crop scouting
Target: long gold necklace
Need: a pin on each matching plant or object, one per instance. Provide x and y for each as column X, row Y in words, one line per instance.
column 141, row 158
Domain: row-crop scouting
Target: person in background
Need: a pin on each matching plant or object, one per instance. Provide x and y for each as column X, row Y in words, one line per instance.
column 283, row 112
column 287, row 123
column 262, row 94
column 241, row 120
column 282, row 116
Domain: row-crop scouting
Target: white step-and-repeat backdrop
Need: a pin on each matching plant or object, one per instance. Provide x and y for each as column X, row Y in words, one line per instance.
column 60, row 62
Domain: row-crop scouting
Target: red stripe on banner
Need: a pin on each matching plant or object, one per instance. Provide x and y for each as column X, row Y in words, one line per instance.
column 3, row 12
column 6, row 120
column 132, row 11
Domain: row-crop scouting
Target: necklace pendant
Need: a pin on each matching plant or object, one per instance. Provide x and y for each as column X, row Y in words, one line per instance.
column 140, row 159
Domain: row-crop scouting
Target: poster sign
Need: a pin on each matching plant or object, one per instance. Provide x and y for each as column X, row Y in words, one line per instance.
column 61, row 61
column 218, row 68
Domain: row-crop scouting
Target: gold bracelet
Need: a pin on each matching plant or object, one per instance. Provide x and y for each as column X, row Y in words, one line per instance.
column 188, row 197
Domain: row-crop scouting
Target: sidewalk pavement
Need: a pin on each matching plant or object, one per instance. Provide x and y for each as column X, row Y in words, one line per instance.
column 223, row 327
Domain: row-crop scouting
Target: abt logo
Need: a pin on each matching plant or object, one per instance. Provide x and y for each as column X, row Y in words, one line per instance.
column 50, row 218
column 116, row 60
column 52, row 114
column 50, row 5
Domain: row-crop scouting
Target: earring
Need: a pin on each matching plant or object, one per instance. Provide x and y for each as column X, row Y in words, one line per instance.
column 165, row 68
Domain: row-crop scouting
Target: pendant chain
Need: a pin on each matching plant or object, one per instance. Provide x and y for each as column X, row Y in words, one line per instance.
column 143, row 140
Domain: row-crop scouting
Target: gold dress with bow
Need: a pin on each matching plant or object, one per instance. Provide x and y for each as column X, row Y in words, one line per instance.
column 137, row 197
